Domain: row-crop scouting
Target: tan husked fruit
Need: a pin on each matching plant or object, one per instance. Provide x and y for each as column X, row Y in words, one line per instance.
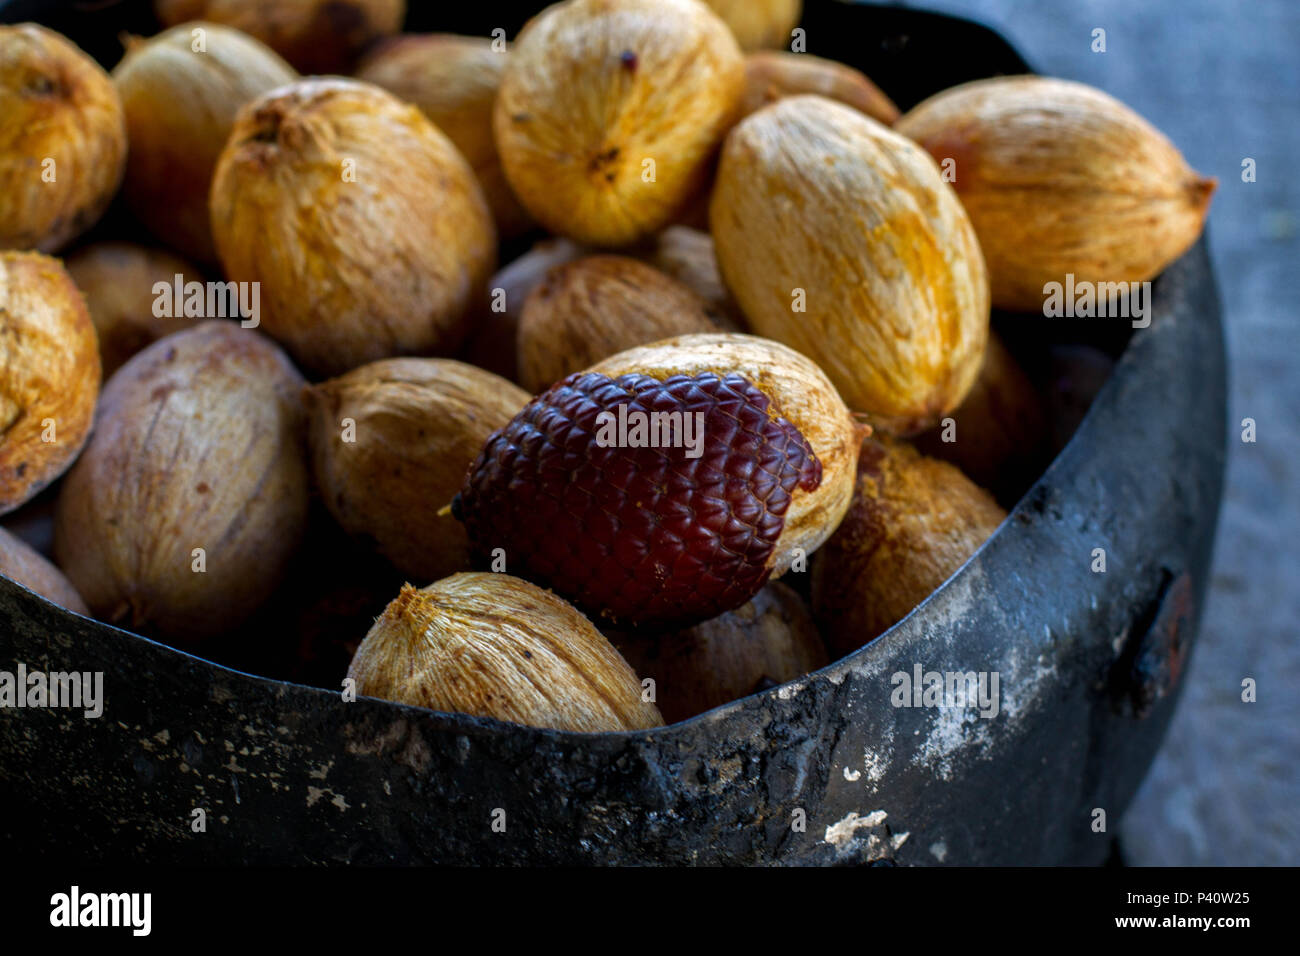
column 495, row 326
column 180, row 105
column 759, row 24
column 20, row 562
column 688, row 256
column 999, row 432
column 117, row 280
column 586, row 310
column 316, row 36
column 800, row 392
column 610, row 111
column 773, row 74
column 62, row 139
column 364, row 226
column 1060, row 178
column 49, row 374
column 914, row 521
column 454, row 79
column 495, row 646
column 766, row 642
column 184, row 511
column 839, row 238
column 391, row 443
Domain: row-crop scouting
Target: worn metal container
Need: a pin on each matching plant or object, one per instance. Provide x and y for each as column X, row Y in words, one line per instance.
column 821, row 770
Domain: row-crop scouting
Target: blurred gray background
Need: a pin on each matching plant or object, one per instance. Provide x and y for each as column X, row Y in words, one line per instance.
column 1222, row 79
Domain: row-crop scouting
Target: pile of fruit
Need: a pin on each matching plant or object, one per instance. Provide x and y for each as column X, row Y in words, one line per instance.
column 748, row 340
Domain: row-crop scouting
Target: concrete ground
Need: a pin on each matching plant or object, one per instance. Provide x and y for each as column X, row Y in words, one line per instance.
column 1222, row 79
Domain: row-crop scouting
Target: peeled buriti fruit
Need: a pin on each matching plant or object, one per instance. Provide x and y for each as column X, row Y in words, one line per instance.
column 494, row 330
column 62, row 139
column 454, row 80
column 998, row 433
column 591, row 308
column 391, row 442
column 49, row 374
column 365, row 227
column 117, row 280
column 914, row 521
column 316, row 36
column 22, row 563
column 494, row 646
column 1060, row 178
column 610, row 110
column 759, row 24
column 650, row 496
column 773, row 74
column 765, row 642
column 180, row 104
column 839, row 238
column 688, row 256
column 184, row 510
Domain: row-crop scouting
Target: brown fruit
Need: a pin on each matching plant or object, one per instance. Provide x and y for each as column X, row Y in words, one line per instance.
column 610, row 110
column 21, row 562
column 766, row 642
column 49, row 374
column 839, row 238
column 454, row 80
column 1060, row 178
column 998, row 433
column 589, row 309
column 494, row 332
column 799, row 391
column 316, row 36
column 494, row 646
column 180, row 106
column 197, row 445
column 759, row 24
column 1076, row 373
column 365, row 227
column 688, row 256
column 914, row 521
column 391, row 443
column 62, row 139
column 771, row 75
column 117, row 280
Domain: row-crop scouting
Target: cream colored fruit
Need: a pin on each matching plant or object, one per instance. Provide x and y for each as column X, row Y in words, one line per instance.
column 454, row 80
column 62, row 139
column 759, row 24
column 800, row 392
column 1061, row 179
column 839, row 238
column 49, row 374
column 492, row 645
column 182, row 514
column 180, row 104
column 362, row 224
column 20, row 562
column 391, row 443
column 610, row 111
column 773, row 74
column 588, row 309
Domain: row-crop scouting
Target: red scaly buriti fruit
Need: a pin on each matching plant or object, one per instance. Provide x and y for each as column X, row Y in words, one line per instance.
column 639, row 534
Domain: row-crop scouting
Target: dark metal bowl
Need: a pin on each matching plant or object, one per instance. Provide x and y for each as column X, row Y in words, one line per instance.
column 1089, row 662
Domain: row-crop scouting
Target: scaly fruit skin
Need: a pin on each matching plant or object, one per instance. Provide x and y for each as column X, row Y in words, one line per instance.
column 1061, row 178
column 640, row 535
